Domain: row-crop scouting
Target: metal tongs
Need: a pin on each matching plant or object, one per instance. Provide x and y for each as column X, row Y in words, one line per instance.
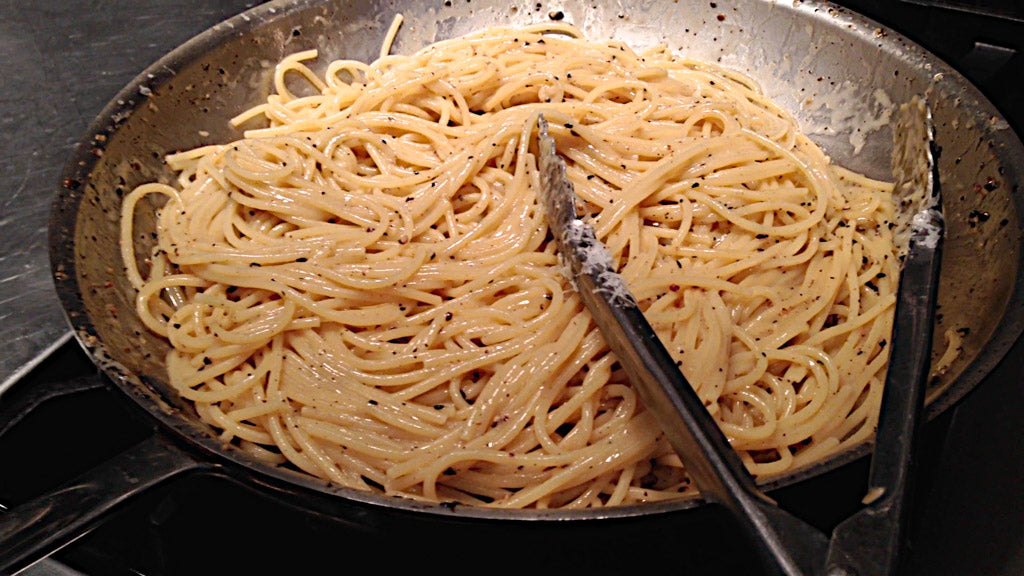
column 870, row 541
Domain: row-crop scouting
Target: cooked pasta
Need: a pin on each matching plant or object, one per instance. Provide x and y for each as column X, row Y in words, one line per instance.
column 363, row 286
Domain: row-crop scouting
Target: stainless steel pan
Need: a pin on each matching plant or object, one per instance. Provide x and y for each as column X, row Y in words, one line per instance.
column 837, row 71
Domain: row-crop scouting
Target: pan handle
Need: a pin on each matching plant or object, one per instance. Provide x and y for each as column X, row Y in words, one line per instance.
column 35, row 529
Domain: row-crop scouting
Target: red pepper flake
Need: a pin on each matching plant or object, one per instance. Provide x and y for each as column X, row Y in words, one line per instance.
column 674, row 287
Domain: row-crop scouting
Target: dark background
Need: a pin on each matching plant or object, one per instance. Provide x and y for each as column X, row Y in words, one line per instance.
column 62, row 60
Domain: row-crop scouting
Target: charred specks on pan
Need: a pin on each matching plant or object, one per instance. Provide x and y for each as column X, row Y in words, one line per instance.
column 977, row 217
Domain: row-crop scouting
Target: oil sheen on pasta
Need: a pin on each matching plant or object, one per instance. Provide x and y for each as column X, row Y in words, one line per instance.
column 363, row 286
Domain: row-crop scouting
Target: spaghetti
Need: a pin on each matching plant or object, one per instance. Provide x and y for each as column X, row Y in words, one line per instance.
column 364, row 288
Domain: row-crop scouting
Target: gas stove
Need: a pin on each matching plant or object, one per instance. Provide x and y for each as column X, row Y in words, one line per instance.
column 970, row 519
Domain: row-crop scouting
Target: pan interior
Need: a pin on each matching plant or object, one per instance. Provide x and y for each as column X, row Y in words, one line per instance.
column 836, row 71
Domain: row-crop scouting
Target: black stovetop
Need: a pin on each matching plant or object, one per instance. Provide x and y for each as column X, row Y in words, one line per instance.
column 970, row 516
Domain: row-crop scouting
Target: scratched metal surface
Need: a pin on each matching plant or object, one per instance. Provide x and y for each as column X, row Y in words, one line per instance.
column 58, row 73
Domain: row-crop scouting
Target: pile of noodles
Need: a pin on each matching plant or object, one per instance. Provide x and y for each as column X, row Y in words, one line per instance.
column 365, row 288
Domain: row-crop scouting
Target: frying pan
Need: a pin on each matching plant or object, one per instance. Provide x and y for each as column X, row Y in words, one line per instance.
column 837, row 71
